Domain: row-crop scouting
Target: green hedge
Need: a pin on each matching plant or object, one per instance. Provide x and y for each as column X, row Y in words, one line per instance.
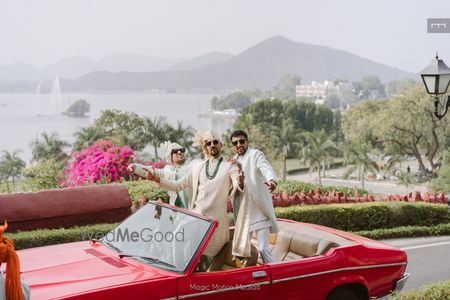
column 406, row 231
column 139, row 189
column 367, row 216
column 294, row 186
column 434, row 291
column 340, row 216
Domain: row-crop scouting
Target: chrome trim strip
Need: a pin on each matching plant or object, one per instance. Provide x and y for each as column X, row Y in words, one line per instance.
column 223, row 290
column 400, row 284
column 338, row 270
column 173, row 298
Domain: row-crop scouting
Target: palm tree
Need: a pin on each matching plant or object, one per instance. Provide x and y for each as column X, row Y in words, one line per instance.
column 156, row 132
column 87, row 136
column 318, row 151
column 182, row 135
column 11, row 166
column 50, row 145
column 287, row 138
column 247, row 123
column 358, row 157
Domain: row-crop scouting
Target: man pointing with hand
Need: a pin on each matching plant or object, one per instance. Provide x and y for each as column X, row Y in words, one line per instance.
column 253, row 207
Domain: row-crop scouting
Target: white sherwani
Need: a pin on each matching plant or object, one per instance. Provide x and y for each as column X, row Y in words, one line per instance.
column 256, row 208
column 208, row 197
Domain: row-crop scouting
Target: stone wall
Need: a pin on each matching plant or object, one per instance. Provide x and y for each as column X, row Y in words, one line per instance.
column 65, row 207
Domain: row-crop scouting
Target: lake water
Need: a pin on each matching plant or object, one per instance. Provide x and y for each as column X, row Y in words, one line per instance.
column 23, row 117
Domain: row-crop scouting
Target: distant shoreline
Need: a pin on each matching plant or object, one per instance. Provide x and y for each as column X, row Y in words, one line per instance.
column 187, row 91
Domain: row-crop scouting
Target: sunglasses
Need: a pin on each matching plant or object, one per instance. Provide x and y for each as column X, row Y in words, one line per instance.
column 182, row 150
column 241, row 142
column 215, row 142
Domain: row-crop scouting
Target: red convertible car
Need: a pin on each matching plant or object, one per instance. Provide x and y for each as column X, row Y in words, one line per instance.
column 154, row 253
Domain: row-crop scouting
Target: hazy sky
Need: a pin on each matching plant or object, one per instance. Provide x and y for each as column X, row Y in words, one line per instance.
column 387, row 31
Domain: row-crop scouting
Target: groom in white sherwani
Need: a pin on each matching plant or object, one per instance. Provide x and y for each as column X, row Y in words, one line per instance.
column 253, row 208
column 210, row 182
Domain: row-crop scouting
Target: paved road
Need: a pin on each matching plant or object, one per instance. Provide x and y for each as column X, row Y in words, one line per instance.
column 375, row 187
column 428, row 259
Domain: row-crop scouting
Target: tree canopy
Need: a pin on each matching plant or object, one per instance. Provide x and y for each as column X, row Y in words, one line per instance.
column 78, row 109
column 275, row 126
column 236, row 101
column 404, row 125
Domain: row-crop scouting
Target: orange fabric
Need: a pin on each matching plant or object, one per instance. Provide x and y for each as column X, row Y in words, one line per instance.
column 8, row 255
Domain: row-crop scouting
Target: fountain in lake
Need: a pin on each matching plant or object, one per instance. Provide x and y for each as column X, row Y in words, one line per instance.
column 49, row 104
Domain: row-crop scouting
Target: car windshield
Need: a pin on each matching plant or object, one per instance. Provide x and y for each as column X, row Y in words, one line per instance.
column 159, row 235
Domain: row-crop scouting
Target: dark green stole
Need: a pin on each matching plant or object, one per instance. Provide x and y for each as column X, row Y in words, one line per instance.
column 178, row 201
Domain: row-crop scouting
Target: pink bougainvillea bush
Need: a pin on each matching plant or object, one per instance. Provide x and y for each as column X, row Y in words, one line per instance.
column 102, row 162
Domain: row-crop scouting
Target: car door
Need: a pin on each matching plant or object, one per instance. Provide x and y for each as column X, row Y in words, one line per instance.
column 299, row 279
column 249, row 283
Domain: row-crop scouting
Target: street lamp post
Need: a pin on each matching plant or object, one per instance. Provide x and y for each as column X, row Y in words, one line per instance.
column 436, row 77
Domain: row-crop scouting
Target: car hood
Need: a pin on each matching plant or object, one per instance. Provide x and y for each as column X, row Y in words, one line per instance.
column 74, row 268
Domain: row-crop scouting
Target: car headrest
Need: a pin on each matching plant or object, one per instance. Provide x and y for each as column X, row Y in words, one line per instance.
column 304, row 244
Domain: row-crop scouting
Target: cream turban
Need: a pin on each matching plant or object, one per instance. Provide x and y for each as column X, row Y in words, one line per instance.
column 169, row 149
column 200, row 138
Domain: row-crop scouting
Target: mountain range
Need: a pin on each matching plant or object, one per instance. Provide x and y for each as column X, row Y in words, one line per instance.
column 76, row 66
column 260, row 66
column 201, row 61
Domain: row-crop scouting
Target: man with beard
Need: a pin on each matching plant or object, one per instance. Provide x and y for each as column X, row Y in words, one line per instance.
column 210, row 183
column 253, row 207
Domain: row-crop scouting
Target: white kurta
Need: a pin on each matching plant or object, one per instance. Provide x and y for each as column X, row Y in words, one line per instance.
column 208, row 197
column 172, row 172
column 256, row 208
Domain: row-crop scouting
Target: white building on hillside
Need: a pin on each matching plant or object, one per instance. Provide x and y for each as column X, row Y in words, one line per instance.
column 315, row 90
